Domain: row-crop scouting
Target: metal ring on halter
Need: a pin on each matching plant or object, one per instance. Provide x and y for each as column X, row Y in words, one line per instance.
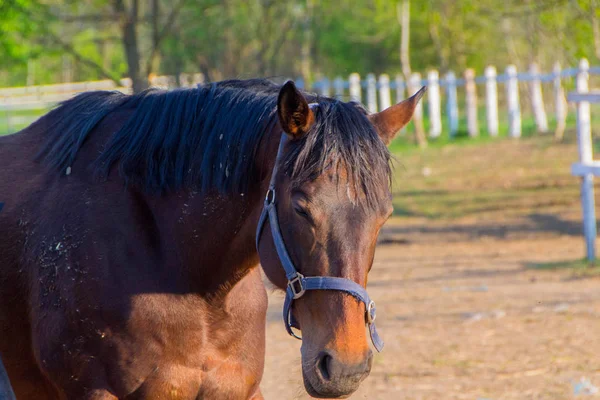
column 270, row 196
column 371, row 316
column 289, row 321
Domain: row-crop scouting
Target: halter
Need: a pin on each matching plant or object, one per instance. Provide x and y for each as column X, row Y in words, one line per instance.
column 298, row 284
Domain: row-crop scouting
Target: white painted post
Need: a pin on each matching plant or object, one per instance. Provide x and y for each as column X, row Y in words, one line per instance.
column 338, row 87
column 514, row 110
column 6, row 390
column 385, row 96
column 452, row 105
column 413, row 87
column 198, row 79
column 30, row 72
column 400, row 89
column 537, row 101
column 435, row 112
column 372, row 93
column 355, row 91
column 67, row 72
column 584, row 139
column 491, row 100
column 471, row 103
column 560, row 104
column 325, row 88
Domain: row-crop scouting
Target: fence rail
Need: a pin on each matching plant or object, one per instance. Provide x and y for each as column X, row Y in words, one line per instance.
column 376, row 93
column 586, row 168
column 379, row 89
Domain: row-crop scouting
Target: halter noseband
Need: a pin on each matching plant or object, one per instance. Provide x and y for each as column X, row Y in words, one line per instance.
column 298, row 284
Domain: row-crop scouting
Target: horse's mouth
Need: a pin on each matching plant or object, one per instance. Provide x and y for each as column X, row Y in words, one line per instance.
column 312, row 392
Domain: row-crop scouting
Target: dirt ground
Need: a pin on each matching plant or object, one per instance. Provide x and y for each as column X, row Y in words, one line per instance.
column 478, row 289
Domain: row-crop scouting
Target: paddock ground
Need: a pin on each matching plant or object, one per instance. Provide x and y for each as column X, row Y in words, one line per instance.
column 479, row 290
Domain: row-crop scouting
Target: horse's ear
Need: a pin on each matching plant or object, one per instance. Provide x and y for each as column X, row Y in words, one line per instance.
column 389, row 121
column 295, row 116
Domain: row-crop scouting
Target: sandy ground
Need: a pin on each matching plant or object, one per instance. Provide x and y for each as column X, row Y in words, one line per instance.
column 468, row 318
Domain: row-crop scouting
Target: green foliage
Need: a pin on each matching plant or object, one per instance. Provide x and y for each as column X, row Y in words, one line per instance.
column 16, row 30
column 239, row 38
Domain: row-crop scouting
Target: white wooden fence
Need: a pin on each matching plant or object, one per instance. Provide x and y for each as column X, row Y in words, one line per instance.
column 447, row 87
column 36, row 100
column 586, row 168
column 376, row 92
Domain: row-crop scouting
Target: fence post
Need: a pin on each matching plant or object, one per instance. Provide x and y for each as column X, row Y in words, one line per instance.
column 537, row 101
column 401, row 87
column 198, row 79
column 584, row 139
column 514, row 110
column 452, row 105
column 560, row 103
column 413, row 87
column 491, row 100
column 435, row 112
column 372, row 93
column 325, row 87
column 30, row 72
column 355, row 91
column 6, row 390
column 471, row 103
column 338, row 87
column 385, row 97
column 67, row 69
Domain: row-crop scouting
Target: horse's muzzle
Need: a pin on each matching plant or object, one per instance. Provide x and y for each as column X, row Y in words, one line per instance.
column 329, row 378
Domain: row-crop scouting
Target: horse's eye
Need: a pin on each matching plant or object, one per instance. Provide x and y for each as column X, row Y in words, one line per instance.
column 302, row 212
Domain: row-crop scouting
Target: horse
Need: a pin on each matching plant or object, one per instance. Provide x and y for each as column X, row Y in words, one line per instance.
column 134, row 225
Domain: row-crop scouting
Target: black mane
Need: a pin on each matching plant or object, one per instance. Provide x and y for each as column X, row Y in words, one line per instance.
column 207, row 137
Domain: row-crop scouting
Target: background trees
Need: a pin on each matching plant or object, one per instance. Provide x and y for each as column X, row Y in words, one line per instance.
column 45, row 41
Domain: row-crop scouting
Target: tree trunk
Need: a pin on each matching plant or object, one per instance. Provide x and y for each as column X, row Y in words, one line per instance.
column 403, row 11
column 595, row 28
column 130, row 43
column 403, row 14
column 307, row 44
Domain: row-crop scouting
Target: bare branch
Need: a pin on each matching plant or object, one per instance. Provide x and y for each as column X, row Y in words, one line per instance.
column 159, row 36
column 69, row 47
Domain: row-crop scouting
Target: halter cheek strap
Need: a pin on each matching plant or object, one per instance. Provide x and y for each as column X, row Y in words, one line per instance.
column 298, row 284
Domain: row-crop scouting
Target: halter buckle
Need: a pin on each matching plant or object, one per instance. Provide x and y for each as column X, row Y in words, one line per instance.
column 295, row 285
column 371, row 313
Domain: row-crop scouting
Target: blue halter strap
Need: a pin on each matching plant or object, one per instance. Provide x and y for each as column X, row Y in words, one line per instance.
column 298, row 284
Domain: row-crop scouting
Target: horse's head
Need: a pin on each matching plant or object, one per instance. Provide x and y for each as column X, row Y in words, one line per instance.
column 330, row 197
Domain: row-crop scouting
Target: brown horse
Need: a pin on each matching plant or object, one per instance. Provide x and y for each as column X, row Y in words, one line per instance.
column 128, row 266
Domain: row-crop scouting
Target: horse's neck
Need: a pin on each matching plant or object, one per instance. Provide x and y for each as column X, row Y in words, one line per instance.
column 213, row 235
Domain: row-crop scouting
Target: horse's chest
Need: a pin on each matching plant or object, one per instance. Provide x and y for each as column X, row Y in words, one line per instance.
column 184, row 329
column 191, row 351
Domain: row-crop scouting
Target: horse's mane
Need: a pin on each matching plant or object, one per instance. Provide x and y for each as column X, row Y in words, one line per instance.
column 207, row 137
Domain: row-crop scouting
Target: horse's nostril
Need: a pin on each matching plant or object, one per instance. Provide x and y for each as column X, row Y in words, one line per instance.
column 324, row 364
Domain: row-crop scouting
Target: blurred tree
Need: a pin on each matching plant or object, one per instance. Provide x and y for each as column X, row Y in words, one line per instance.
column 91, row 39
